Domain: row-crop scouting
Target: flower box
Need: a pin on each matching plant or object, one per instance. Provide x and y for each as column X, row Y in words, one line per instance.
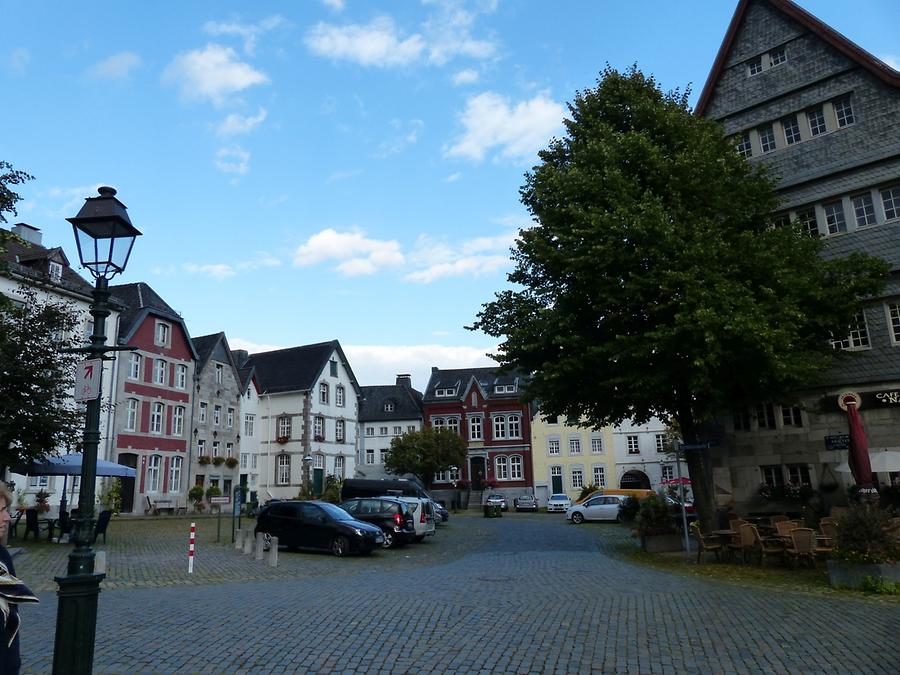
column 203, row 460
column 319, row 437
column 218, row 461
column 282, row 439
column 231, row 462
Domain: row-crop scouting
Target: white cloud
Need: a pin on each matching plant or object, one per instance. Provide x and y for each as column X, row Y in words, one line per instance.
column 467, row 76
column 892, row 60
column 380, row 364
column 116, row 67
column 438, row 259
column 406, row 134
column 18, row 60
column 453, row 177
column 62, row 202
column 334, row 5
column 356, row 254
column 252, row 347
column 449, row 34
column 250, row 33
column 260, row 260
column 218, row 271
column 234, row 160
column 517, row 130
column 343, row 174
column 213, row 73
column 377, row 43
column 235, row 123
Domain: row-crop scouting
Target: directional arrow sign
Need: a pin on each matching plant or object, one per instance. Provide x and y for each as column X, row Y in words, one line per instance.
column 87, row 380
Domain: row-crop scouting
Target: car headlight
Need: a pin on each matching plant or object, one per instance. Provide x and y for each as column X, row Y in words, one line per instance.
column 359, row 532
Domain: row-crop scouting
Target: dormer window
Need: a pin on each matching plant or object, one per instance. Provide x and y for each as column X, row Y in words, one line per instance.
column 777, row 57
column 505, row 389
column 163, row 334
column 389, row 406
column 445, row 392
column 55, row 271
column 754, row 66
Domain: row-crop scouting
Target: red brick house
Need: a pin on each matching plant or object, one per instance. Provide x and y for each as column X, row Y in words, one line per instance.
column 483, row 405
column 153, row 403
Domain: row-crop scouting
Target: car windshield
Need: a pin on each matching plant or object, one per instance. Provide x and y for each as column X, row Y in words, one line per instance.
column 335, row 512
column 559, row 498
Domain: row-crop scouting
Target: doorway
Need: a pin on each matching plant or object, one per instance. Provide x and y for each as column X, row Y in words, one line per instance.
column 634, row 480
column 126, row 492
column 476, row 471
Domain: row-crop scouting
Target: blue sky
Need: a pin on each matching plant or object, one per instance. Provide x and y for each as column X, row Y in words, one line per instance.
column 330, row 169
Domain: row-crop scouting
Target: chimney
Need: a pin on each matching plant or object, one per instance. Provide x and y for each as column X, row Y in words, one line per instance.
column 404, row 380
column 25, row 231
column 434, row 369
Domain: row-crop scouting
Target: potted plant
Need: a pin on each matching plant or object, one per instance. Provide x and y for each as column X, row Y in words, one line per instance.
column 282, row 439
column 218, row 461
column 231, row 462
column 866, row 549
column 213, row 491
column 655, row 527
column 195, row 494
column 41, row 503
column 203, row 460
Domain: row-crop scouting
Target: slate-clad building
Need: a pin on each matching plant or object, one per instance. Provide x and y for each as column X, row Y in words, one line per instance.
column 386, row 411
column 215, row 420
column 824, row 115
column 154, row 385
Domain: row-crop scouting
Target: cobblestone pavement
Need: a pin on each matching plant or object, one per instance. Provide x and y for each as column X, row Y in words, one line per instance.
column 520, row 594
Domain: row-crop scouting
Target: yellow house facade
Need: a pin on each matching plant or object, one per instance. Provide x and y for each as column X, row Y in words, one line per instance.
column 567, row 457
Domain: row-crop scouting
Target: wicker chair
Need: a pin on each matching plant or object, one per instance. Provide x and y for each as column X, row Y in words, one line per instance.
column 777, row 519
column 705, row 542
column 745, row 542
column 767, row 546
column 802, row 546
column 735, row 524
column 784, row 527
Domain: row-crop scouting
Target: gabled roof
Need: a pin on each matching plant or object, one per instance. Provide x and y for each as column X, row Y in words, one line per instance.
column 296, row 368
column 461, row 378
column 140, row 301
column 826, row 33
column 407, row 403
column 29, row 262
column 205, row 346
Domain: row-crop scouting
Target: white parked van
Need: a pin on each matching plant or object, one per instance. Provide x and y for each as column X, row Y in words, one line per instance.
column 423, row 516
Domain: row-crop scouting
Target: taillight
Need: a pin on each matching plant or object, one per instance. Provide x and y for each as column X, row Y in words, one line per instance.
column 398, row 519
column 422, row 517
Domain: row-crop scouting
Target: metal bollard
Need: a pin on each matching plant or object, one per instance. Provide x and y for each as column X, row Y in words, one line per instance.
column 238, row 540
column 248, row 542
column 272, row 556
column 260, row 545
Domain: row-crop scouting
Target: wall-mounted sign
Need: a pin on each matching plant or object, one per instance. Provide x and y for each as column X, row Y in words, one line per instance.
column 837, row 442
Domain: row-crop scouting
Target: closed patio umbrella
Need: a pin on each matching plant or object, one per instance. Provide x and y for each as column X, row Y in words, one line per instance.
column 858, row 455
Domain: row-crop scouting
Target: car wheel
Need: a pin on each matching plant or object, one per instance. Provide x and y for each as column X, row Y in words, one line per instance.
column 577, row 518
column 618, row 518
column 340, row 546
column 388, row 539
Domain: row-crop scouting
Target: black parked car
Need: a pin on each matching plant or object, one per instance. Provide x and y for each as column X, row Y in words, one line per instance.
column 317, row 525
column 441, row 510
column 393, row 516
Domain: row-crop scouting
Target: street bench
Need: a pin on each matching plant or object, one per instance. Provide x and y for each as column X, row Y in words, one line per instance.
column 156, row 507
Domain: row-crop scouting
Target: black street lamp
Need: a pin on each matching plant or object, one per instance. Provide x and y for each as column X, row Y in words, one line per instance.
column 104, row 235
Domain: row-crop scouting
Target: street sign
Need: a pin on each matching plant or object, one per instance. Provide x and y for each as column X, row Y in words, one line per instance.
column 87, row 380
column 224, row 499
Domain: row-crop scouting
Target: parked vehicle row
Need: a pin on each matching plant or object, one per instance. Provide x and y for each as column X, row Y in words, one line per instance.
column 357, row 525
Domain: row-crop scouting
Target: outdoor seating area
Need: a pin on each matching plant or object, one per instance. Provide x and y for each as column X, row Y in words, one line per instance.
column 55, row 527
column 756, row 539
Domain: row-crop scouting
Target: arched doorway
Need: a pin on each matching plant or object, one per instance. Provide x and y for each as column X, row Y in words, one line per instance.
column 634, row 480
column 127, row 484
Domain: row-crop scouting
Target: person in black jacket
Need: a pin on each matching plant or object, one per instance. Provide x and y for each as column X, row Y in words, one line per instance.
column 12, row 593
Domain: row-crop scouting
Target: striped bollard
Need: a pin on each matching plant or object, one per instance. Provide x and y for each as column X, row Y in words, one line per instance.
column 191, row 549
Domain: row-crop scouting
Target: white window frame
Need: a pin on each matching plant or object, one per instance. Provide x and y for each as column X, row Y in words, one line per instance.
column 667, row 472
column 220, row 373
column 181, row 376
column 339, row 467
column 574, row 445
column 249, row 422
column 892, row 311
column 499, row 426
column 174, row 475
column 162, row 335
column 476, row 428
column 229, row 418
column 134, row 366
column 217, row 415
column 157, row 417
column 516, row 471
column 178, row 421
column 339, row 396
column 599, row 476
column 324, row 394
column 154, row 473
column 244, row 461
column 501, row 467
column 633, row 444
column 201, row 447
column 131, row 414
column 319, row 427
column 863, row 209
column 283, row 470
column 370, row 455
column 216, row 448
column 340, row 427
column 577, row 478
column 159, row 371
column 283, row 425
column 201, row 414
column 553, row 447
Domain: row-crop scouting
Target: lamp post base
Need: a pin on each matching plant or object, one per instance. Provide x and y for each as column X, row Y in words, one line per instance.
column 76, row 623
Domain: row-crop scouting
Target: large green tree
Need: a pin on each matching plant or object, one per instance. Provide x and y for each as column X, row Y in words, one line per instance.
column 37, row 413
column 425, row 453
column 656, row 282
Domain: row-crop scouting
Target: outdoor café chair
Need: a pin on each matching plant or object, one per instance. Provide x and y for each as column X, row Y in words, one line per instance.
column 767, row 546
column 745, row 541
column 34, row 524
column 102, row 524
column 784, row 528
column 14, row 525
column 780, row 518
column 802, row 545
column 828, row 530
column 735, row 523
column 706, row 542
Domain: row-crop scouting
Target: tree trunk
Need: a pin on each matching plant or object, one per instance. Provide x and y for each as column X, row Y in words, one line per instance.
column 699, row 469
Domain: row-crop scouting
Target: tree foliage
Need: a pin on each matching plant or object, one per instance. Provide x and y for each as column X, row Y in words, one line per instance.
column 655, row 282
column 425, row 453
column 8, row 198
column 37, row 413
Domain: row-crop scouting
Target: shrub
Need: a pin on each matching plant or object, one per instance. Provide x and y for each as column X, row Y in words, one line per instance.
column 629, row 508
column 40, row 501
column 213, row 491
column 587, row 490
column 218, row 461
column 332, row 491
column 111, row 496
column 653, row 516
column 866, row 534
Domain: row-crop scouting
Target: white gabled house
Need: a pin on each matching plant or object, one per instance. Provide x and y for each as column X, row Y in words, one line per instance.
column 307, row 410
